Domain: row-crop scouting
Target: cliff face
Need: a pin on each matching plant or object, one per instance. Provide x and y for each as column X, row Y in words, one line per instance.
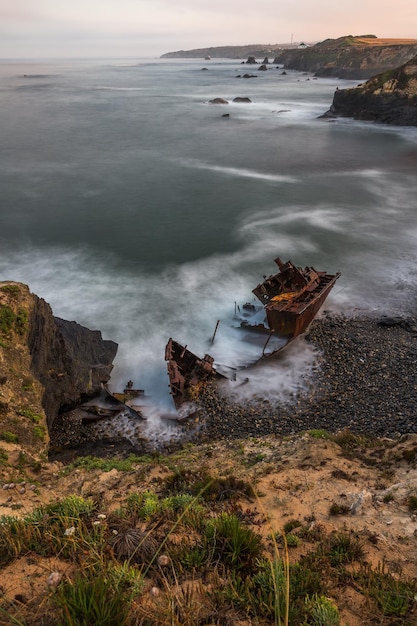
column 47, row 365
column 389, row 98
column 348, row 57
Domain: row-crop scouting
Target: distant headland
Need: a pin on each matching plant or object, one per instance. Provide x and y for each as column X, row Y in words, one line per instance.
column 352, row 57
column 230, row 52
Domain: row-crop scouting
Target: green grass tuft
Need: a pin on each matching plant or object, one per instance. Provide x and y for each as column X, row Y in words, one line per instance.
column 98, row 597
column 6, row 435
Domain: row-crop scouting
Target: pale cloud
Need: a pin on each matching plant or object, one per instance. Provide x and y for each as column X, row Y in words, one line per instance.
column 152, row 27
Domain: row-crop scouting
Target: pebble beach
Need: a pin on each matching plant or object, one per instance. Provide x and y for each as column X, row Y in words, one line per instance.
column 366, row 380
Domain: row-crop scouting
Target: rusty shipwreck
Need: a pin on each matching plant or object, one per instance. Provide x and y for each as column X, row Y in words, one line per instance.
column 290, row 299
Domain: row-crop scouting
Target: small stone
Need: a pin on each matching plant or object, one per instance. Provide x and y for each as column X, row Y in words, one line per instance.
column 155, row 591
column 54, row 579
column 163, row 560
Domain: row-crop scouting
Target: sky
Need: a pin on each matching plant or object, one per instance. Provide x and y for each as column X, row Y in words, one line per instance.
column 100, row 28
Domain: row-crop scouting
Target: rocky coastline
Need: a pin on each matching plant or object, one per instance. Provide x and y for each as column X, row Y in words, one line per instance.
column 388, row 98
column 365, row 381
column 349, row 57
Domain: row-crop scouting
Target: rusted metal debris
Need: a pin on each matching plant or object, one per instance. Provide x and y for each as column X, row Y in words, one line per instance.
column 108, row 405
column 290, row 300
column 187, row 372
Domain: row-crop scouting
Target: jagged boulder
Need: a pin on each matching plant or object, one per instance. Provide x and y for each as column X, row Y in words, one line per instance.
column 251, row 60
column 47, row 364
column 388, row 98
column 241, row 99
column 262, row 68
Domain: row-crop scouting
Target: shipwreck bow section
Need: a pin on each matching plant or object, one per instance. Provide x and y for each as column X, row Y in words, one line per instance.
column 188, row 374
column 293, row 297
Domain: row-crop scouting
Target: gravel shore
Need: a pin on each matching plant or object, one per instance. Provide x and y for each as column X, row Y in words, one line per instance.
column 366, row 381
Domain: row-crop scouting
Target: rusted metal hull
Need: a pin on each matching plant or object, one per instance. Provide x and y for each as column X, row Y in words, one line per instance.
column 291, row 318
column 188, row 374
column 292, row 297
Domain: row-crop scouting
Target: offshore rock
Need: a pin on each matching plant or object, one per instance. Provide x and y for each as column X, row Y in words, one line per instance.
column 218, row 101
column 388, row 98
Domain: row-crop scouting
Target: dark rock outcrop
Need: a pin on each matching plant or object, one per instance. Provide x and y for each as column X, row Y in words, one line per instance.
column 251, row 60
column 349, row 57
column 262, row 68
column 388, row 98
column 70, row 361
column 241, row 99
column 218, row 101
column 47, row 365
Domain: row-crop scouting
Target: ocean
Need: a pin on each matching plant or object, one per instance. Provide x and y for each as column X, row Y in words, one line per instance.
column 133, row 206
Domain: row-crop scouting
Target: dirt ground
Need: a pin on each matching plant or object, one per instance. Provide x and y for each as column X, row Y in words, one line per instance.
column 299, row 478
